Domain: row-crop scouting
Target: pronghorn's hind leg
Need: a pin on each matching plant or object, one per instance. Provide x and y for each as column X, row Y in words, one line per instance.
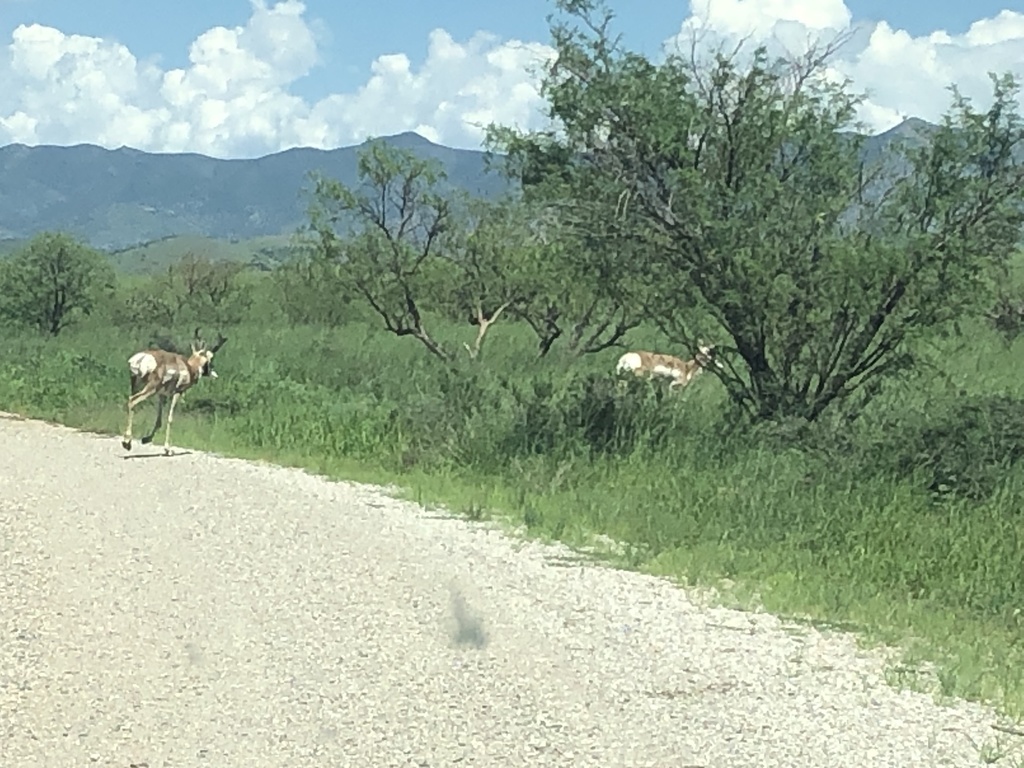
column 126, row 439
column 147, row 439
column 170, row 418
column 133, row 400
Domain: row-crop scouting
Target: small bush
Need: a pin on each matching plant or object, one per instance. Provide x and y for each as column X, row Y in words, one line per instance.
column 961, row 447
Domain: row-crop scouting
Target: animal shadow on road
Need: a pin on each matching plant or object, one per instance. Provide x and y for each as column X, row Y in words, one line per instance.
column 157, row 455
column 469, row 628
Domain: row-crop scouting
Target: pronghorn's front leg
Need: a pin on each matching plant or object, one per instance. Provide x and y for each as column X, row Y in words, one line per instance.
column 170, row 418
column 160, row 400
column 134, row 400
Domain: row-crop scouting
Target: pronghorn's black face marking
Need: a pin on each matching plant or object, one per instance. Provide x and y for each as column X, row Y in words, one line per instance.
column 707, row 356
column 206, row 353
column 206, row 369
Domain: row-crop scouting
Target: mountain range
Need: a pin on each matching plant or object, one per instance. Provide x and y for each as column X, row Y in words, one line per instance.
column 116, row 199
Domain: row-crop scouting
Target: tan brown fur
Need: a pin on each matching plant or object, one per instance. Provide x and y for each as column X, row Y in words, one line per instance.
column 167, row 375
column 681, row 372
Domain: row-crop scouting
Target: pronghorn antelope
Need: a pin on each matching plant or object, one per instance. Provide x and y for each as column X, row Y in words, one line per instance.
column 682, row 372
column 166, row 374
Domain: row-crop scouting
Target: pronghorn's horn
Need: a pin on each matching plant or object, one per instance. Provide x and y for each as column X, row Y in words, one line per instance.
column 221, row 338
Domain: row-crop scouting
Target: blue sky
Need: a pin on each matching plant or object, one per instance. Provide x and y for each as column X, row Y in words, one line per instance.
column 349, row 36
column 360, row 31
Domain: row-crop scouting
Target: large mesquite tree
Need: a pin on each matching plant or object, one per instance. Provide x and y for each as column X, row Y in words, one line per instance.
column 750, row 209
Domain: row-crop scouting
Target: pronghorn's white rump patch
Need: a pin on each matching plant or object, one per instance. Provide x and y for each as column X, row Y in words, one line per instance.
column 141, row 364
column 629, row 362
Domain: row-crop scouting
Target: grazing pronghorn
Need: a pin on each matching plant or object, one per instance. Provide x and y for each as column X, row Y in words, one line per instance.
column 166, row 374
column 682, row 372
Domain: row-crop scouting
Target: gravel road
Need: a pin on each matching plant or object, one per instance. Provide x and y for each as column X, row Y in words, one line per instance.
column 201, row 611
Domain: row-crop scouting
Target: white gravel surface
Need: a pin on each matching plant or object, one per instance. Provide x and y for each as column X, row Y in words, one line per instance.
column 201, row 611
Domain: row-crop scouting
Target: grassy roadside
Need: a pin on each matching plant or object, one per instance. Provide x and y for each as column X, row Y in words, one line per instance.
column 941, row 651
column 765, row 528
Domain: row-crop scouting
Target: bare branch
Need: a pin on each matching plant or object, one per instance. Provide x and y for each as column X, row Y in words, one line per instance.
column 484, row 322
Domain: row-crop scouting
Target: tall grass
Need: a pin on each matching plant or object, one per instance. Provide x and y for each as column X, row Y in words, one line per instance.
column 905, row 523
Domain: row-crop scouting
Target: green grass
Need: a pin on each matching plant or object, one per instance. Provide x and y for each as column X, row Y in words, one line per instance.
column 906, row 528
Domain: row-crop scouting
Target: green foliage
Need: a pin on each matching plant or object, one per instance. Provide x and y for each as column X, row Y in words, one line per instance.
column 750, row 213
column 27, row 385
column 494, row 270
column 965, row 447
column 407, row 246
column 52, row 283
column 577, row 291
column 311, row 291
column 1007, row 314
column 192, row 290
column 402, row 225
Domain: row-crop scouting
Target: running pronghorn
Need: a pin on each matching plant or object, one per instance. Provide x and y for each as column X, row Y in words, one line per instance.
column 682, row 372
column 166, row 374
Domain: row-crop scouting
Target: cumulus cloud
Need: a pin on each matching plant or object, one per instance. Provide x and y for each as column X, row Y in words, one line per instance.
column 763, row 18
column 451, row 99
column 901, row 74
column 234, row 96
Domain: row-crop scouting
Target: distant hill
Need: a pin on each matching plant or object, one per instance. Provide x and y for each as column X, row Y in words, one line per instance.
column 262, row 252
column 122, row 198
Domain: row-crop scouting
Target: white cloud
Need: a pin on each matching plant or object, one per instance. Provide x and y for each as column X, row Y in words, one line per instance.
column 760, row 18
column 459, row 90
column 234, row 96
column 902, row 75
